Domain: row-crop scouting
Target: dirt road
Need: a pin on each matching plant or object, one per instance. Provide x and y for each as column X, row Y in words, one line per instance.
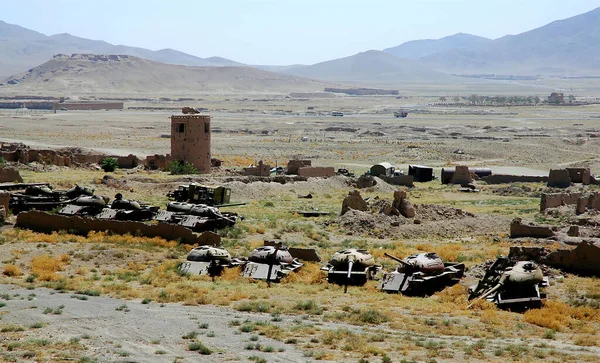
column 136, row 332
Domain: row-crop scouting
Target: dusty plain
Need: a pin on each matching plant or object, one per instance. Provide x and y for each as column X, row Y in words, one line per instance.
column 118, row 298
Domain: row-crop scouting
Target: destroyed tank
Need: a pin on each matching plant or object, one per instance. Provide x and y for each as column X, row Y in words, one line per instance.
column 266, row 254
column 42, row 197
column 270, row 263
column 127, row 210
column 351, row 267
column 198, row 217
column 206, row 260
column 421, row 274
column 511, row 284
column 89, row 205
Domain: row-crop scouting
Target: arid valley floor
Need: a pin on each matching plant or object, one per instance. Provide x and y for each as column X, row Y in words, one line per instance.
column 119, row 298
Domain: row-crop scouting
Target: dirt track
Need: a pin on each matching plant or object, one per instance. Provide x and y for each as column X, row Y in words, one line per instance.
column 114, row 334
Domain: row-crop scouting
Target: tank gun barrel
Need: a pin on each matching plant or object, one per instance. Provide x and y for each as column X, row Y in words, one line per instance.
column 397, row 259
column 486, row 294
column 230, row 205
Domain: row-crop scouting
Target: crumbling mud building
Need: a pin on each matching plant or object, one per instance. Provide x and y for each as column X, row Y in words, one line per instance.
column 190, row 140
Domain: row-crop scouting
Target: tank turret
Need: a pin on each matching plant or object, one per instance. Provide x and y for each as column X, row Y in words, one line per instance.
column 421, row 274
column 351, row 267
column 513, row 284
column 270, row 263
column 206, row 260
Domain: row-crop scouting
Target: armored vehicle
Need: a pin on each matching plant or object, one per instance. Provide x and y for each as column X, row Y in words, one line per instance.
column 511, row 284
column 85, row 206
column 351, row 267
column 206, row 260
column 127, row 210
column 201, row 194
column 421, row 274
column 270, row 263
column 42, row 197
column 198, row 217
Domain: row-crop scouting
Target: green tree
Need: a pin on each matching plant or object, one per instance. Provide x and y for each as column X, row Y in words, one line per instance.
column 109, row 164
column 571, row 98
column 443, row 99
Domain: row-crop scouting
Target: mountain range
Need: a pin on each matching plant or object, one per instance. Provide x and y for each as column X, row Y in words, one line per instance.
column 564, row 47
column 127, row 75
column 22, row 49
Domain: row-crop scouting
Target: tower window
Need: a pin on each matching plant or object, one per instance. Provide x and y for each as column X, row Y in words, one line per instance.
column 206, row 128
column 180, row 127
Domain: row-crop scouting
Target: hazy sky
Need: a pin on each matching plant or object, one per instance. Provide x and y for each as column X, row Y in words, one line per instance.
column 284, row 31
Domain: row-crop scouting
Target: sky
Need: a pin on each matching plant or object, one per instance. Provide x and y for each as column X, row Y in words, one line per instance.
column 283, row 32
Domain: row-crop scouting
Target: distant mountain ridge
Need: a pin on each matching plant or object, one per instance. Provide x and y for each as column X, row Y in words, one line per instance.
column 568, row 46
column 372, row 66
column 416, row 49
column 95, row 74
column 21, row 49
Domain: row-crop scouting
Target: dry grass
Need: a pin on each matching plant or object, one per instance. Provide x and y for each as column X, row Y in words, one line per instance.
column 559, row 316
column 12, row 270
column 92, row 237
column 46, row 267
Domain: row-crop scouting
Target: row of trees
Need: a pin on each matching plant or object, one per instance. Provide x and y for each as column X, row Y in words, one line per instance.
column 499, row 100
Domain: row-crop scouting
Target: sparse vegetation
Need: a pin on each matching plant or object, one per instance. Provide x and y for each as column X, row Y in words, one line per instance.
column 109, row 164
column 181, row 168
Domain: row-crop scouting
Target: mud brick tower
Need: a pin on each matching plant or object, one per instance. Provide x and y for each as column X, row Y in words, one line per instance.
column 190, row 140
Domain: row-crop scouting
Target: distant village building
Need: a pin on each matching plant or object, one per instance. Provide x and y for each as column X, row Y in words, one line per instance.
column 556, row 97
column 190, row 140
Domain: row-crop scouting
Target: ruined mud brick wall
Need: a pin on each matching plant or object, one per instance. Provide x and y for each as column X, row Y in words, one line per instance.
column 127, row 162
column 45, row 222
column 585, row 258
column 580, row 175
column 260, row 170
column 10, row 175
column 158, row 161
column 554, row 200
column 316, row 171
column 518, row 229
column 190, row 140
column 294, row 165
column 506, row 179
column 404, row 180
column 461, row 175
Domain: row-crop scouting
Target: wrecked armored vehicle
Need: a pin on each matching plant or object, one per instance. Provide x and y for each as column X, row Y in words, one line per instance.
column 206, row 260
column 42, row 197
column 84, row 206
column 198, row 217
column 270, row 263
column 511, row 284
column 421, row 274
column 351, row 267
column 127, row 210
column 201, row 194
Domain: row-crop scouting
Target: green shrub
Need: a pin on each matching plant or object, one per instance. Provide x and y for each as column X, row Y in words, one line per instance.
column 181, row 168
column 109, row 164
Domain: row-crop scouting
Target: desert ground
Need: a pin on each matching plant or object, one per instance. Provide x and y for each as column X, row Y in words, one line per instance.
column 106, row 297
